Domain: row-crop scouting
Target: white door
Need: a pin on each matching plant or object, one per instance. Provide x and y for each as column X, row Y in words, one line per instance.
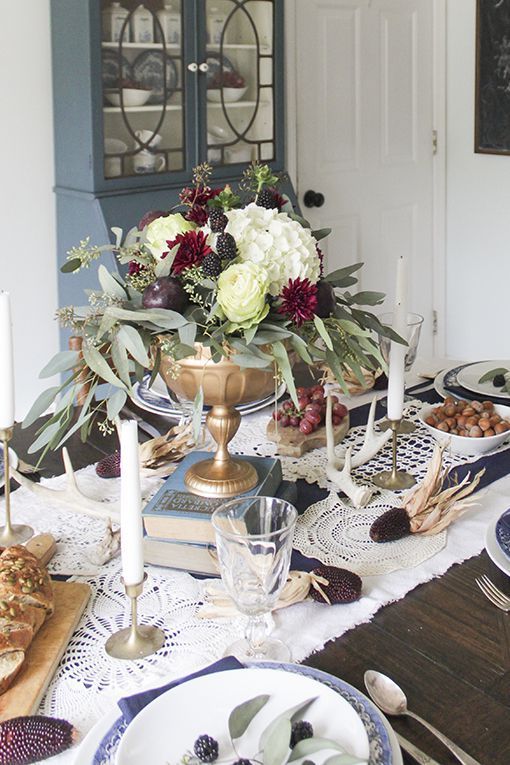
column 364, row 138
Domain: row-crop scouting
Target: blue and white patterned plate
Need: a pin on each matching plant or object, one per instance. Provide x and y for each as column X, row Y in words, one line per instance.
column 154, row 400
column 148, row 71
column 447, row 384
column 503, row 533
column 111, row 69
column 384, row 749
column 217, row 63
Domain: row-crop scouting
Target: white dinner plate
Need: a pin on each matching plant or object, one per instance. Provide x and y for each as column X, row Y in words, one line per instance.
column 469, row 377
column 209, row 701
column 100, row 745
column 157, row 401
column 494, row 551
column 450, row 377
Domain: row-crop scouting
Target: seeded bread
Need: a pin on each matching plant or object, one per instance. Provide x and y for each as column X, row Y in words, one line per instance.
column 26, row 600
column 24, row 579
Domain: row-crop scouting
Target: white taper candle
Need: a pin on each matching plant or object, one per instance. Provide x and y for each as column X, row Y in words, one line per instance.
column 396, row 372
column 131, row 530
column 6, row 363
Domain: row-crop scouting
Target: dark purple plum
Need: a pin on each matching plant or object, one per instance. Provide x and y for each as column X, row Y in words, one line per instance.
column 165, row 292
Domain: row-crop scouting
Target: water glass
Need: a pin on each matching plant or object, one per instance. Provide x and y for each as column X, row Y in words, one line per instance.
column 254, row 543
column 414, row 323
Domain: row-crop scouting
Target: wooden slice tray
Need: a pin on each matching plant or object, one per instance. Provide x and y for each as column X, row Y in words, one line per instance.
column 48, row 646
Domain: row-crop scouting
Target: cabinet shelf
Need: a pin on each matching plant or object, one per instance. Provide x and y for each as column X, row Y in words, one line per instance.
column 235, row 104
column 149, row 108
column 240, row 46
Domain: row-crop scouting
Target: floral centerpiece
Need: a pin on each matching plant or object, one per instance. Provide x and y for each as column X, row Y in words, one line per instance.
column 236, row 272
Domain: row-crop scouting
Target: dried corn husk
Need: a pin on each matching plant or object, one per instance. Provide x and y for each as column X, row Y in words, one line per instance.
column 430, row 507
column 159, row 456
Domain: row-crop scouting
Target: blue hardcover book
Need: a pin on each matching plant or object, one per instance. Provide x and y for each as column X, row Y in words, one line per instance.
column 196, row 557
column 175, row 513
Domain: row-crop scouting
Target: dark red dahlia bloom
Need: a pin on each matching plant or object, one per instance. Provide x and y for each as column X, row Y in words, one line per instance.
column 299, row 300
column 198, row 215
column 134, row 267
column 278, row 199
column 150, row 216
column 192, row 250
column 197, row 199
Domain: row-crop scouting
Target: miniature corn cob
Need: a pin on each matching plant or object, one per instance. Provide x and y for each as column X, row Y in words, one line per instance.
column 29, row 739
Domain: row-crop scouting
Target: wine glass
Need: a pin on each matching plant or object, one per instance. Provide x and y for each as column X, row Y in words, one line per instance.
column 414, row 324
column 254, row 543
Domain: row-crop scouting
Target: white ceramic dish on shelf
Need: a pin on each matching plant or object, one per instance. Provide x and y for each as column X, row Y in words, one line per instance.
column 464, row 445
column 230, row 95
column 130, row 96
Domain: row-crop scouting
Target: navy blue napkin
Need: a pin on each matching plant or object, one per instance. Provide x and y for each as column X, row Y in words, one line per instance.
column 131, row 705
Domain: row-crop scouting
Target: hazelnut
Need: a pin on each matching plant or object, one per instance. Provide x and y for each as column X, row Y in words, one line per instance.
column 501, row 427
column 471, row 422
column 442, row 426
column 477, row 406
column 450, row 410
column 494, row 419
column 431, row 420
column 468, row 411
column 475, row 432
column 451, row 422
column 484, row 424
column 489, row 432
column 488, row 405
column 454, row 432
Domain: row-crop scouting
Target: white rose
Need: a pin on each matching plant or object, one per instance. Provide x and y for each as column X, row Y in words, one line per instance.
column 165, row 229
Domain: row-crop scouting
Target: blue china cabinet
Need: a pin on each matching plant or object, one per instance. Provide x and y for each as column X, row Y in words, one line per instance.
column 144, row 93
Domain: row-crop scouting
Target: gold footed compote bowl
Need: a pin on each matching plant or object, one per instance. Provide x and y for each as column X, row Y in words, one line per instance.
column 225, row 385
column 414, row 323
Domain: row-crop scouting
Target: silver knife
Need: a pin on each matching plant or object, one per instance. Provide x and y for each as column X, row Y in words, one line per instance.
column 413, row 750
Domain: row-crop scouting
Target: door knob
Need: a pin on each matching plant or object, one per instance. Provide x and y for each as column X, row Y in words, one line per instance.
column 193, row 67
column 313, row 198
column 204, row 66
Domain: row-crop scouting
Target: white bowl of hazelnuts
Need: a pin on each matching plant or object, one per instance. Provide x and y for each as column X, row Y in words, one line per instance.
column 469, row 428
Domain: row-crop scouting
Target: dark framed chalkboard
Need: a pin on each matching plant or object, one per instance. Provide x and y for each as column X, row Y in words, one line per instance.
column 492, row 102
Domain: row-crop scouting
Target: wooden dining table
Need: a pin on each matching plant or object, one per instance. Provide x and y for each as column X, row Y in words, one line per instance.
column 444, row 643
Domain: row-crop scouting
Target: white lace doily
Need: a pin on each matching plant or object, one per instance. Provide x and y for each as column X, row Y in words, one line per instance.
column 414, row 450
column 337, row 534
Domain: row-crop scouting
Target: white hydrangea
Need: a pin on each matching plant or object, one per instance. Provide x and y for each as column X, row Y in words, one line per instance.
column 276, row 242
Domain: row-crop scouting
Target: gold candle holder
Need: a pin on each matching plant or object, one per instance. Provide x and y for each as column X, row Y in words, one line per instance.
column 9, row 534
column 394, row 479
column 136, row 641
column 404, row 426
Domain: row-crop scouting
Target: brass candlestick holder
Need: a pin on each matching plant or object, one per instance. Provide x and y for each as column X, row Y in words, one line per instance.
column 9, row 534
column 394, row 479
column 136, row 641
column 405, row 427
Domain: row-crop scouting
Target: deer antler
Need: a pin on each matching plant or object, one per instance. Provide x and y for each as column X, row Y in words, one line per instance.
column 372, row 443
column 342, row 479
column 71, row 496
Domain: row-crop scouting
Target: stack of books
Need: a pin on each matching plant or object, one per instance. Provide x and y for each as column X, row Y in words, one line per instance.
column 179, row 532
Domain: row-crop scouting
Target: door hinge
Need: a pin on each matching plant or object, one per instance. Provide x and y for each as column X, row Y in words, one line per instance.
column 434, row 142
column 434, row 322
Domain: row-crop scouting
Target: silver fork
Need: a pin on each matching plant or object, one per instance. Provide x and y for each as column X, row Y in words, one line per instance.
column 493, row 594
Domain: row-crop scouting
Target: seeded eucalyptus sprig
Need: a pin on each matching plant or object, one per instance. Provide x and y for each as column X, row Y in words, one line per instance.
column 279, row 743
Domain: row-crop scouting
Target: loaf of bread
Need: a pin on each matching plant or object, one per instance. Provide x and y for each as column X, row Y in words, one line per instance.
column 26, row 600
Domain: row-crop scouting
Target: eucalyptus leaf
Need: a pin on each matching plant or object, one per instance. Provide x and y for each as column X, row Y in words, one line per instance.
column 155, row 367
column 198, row 405
column 45, row 437
column 276, row 746
column 334, row 364
column 162, row 318
column 114, row 404
column 282, row 359
column 163, row 267
column 121, row 361
column 321, row 233
column 301, row 349
column 40, row 405
column 109, row 284
column 250, row 361
column 117, row 232
column 343, row 759
column 492, row 374
column 188, row 334
column 323, row 332
column 71, row 265
column 242, row 715
column 77, row 425
column 302, row 221
column 292, row 714
column 61, row 362
column 351, row 328
column 99, row 365
column 311, row 745
column 133, row 343
column 368, row 298
column 342, row 273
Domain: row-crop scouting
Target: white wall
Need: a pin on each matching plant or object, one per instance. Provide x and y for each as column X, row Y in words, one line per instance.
column 27, row 212
column 478, row 211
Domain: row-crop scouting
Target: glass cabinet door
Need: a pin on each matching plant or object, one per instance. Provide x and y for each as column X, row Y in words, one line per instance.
column 240, row 81
column 142, row 78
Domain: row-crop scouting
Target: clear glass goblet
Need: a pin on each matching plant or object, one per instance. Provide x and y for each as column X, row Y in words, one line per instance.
column 254, row 544
column 414, row 324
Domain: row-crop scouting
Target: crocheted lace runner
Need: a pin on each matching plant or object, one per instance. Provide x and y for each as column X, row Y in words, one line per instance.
column 88, row 683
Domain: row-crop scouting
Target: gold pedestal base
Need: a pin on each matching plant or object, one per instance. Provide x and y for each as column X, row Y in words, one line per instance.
column 135, row 642
column 404, row 428
column 15, row 535
column 393, row 480
column 212, row 478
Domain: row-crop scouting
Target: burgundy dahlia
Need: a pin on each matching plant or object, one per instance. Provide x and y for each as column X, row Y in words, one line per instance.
column 197, row 199
column 192, row 250
column 299, row 300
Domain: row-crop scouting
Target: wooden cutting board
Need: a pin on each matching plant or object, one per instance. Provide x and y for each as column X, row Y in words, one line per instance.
column 48, row 646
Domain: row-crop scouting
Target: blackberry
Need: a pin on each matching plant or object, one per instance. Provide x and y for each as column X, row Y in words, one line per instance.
column 300, row 730
column 206, row 748
column 498, row 381
column 226, row 246
column 211, row 264
column 266, row 198
column 217, row 220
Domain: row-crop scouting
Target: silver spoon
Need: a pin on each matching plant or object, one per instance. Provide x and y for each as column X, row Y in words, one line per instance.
column 391, row 699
